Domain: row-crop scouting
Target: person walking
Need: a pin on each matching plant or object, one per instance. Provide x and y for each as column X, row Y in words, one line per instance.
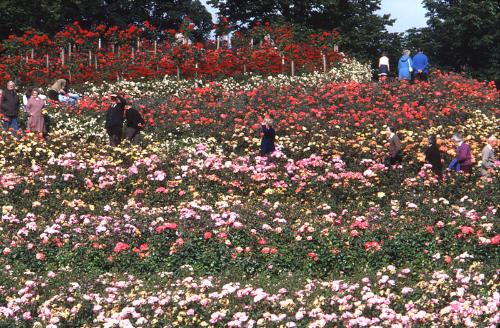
column 383, row 67
column 134, row 123
column 114, row 119
column 433, row 157
column 268, row 137
column 420, row 66
column 463, row 159
column 34, row 109
column 395, row 149
column 488, row 156
column 405, row 66
column 10, row 107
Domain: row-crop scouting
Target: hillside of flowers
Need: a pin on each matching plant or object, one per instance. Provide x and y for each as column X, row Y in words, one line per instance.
column 107, row 53
column 193, row 228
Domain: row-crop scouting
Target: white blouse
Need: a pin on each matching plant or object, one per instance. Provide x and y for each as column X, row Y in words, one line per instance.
column 383, row 61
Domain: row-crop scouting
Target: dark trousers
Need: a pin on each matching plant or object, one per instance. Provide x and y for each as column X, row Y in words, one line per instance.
column 398, row 159
column 420, row 76
column 53, row 95
column 132, row 134
column 115, row 135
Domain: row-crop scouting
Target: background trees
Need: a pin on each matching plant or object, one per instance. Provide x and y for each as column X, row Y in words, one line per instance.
column 363, row 32
column 462, row 35
column 51, row 16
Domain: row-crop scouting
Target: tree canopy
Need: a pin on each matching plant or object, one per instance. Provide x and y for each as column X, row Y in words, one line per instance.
column 462, row 35
column 362, row 30
column 51, row 16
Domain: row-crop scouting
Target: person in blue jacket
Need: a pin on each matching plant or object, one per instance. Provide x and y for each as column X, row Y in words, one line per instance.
column 405, row 66
column 268, row 137
column 420, row 66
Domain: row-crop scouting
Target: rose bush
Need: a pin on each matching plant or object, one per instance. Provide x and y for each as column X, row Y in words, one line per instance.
column 193, row 228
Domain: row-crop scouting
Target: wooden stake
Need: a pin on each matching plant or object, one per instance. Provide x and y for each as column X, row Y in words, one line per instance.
column 324, row 64
column 69, row 51
column 95, row 57
column 62, row 56
column 47, row 63
column 293, row 67
column 133, row 53
column 100, row 44
column 178, row 73
column 156, row 46
column 218, row 42
column 32, row 53
column 90, row 57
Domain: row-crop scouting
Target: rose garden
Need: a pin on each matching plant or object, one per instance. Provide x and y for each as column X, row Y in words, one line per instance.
column 192, row 228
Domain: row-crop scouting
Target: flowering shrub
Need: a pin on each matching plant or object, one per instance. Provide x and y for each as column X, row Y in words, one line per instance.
column 141, row 51
column 193, row 228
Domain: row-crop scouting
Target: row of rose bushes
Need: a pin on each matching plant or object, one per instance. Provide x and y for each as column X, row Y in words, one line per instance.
column 466, row 295
column 36, row 59
column 87, row 230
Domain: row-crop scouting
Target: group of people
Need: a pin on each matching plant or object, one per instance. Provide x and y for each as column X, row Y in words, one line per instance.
column 462, row 162
column 59, row 92
column 118, row 112
column 33, row 101
column 10, row 104
column 416, row 68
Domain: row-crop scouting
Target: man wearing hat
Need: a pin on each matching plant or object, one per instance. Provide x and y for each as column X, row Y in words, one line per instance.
column 114, row 119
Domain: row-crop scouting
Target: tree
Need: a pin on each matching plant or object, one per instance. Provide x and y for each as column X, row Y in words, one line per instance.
column 363, row 32
column 462, row 35
column 50, row 16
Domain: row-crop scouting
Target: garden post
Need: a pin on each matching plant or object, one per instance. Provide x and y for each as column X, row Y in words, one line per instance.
column 47, row 64
column 133, row 54
column 293, row 67
column 32, row 53
column 62, row 56
column 69, row 51
column 138, row 44
column 324, row 63
column 100, row 44
column 90, row 57
column 113, row 48
column 244, row 68
column 251, row 43
column 155, row 46
column 95, row 57
column 218, row 42
column 178, row 73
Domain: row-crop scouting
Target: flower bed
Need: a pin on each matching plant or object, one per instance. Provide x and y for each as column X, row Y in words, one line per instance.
column 193, row 228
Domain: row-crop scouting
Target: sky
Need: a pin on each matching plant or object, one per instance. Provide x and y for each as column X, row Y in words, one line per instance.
column 408, row 13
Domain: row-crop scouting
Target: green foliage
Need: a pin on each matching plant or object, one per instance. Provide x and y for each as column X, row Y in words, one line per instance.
column 363, row 32
column 51, row 16
column 462, row 35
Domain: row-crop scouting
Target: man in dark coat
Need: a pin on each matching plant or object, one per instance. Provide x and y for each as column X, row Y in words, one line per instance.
column 10, row 107
column 134, row 124
column 433, row 157
column 114, row 119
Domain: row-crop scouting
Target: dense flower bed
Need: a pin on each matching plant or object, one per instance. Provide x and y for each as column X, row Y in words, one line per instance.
column 142, row 51
column 194, row 229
